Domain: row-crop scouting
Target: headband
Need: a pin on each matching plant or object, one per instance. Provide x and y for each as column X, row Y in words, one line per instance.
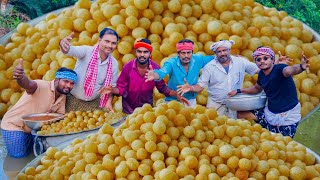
column 184, row 46
column 221, row 43
column 263, row 51
column 66, row 75
column 143, row 44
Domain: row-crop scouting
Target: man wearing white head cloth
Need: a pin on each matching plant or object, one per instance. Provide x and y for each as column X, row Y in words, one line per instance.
column 222, row 75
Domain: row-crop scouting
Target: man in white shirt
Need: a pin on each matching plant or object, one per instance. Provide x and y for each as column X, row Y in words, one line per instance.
column 96, row 68
column 222, row 75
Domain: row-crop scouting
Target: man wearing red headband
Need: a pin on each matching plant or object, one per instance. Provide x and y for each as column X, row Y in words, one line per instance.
column 131, row 84
column 184, row 67
column 221, row 75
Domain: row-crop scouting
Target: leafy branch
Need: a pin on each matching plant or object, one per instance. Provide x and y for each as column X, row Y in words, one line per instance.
column 10, row 20
column 307, row 11
column 35, row 8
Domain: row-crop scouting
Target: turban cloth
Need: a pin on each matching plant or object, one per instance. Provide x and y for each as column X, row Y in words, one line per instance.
column 66, row 75
column 263, row 51
column 184, row 46
column 143, row 44
column 222, row 43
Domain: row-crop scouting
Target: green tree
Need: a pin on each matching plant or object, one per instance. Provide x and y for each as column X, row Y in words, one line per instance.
column 307, row 11
column 35, row 8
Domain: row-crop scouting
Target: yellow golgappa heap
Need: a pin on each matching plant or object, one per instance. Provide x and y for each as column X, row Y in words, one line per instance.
column 246, row 22
column 173, row 142
column 80, row 121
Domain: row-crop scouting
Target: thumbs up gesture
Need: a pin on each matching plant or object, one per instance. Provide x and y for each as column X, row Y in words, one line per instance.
column 65, row 43
column 150, row 74
column 18, row 72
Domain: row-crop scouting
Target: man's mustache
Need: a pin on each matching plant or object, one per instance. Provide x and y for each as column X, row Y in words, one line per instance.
column 69, row 89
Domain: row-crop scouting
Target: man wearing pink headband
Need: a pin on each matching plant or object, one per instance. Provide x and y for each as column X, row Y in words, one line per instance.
column 221, row 75
column 282, row 115
column 184, row 67
column 131, row 83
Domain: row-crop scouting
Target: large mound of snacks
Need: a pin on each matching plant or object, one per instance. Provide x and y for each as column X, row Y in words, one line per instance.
column 81, row 121
column 173, row 142
column 246, row 22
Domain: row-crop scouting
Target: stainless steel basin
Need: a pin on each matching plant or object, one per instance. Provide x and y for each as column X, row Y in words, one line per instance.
column 35, row 121
column 246, row 102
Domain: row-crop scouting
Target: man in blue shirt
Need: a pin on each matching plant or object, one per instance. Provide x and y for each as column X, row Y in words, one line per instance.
column 184, row 67
column 282, row 115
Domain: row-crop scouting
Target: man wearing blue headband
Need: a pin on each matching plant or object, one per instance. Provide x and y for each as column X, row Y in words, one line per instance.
column 39, row 97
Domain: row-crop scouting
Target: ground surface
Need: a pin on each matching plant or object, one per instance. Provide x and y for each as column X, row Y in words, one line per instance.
column 308, row 132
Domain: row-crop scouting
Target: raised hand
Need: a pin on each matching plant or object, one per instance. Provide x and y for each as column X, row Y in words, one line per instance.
column 182, row 89
column 65, row 43
column 150, row 74
column 18, row 72
column 305, row 62
column 283, row 59
column 105, row 90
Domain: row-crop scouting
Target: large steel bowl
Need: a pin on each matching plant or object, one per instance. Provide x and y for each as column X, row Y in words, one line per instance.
column 246, row 102
column 35, row 121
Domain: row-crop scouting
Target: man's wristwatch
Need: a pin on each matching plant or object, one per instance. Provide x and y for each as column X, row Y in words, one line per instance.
column 302, row 69
column 238, row 91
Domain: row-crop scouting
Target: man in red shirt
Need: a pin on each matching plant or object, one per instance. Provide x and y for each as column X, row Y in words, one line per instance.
column 131, row 83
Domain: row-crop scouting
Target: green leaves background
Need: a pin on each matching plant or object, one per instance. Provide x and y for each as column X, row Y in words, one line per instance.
column 307, row 11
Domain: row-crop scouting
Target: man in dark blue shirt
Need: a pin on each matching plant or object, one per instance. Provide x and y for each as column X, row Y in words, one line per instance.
column 282, row 114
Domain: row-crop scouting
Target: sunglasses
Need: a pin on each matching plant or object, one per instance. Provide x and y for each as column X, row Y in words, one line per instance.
column 265, row 58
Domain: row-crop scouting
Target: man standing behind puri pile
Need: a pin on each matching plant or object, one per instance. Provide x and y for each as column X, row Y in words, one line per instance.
column 221, row 75
column 96, row 68
column 40, row 97
column 282, row 114
column 132, row 85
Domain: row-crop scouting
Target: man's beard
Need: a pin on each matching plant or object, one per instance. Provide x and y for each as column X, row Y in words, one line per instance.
column 63, row 92
column 144, row 62
column 223, row 59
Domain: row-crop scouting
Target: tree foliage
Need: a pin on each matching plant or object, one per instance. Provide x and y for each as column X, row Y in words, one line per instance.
column 35, row 8
column 10, row 20
column 307, row 11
